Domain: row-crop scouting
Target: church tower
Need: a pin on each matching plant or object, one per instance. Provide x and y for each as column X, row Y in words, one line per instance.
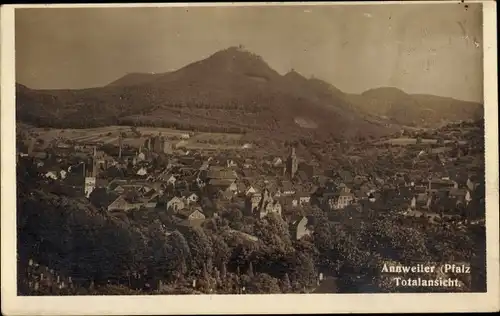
column 292, row 163
column 90, row 175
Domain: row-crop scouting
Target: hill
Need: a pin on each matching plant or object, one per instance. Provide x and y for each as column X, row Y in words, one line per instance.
column 231, row 91
column 234, row 90
column 136, row 78
column 415, row 109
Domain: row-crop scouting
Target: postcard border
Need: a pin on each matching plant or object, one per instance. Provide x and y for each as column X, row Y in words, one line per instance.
column 243, row 304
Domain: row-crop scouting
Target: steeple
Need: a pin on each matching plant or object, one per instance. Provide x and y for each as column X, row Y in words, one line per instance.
column 292, row 163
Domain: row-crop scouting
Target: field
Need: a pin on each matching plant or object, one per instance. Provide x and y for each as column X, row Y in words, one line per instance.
column 110, row 135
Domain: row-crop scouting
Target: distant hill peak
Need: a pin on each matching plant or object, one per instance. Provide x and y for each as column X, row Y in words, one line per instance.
column 385, row 91
column 236, row 52
column 135, row 78
column 293, row 74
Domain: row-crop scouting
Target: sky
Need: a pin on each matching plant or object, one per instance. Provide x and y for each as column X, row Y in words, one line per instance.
column 419, row 48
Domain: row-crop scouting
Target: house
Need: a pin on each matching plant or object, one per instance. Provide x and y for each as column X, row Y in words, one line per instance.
column 189, row 217
column 359, row 179
column 186, row 160
column 149, row 193
column 241, row 187
column 461, row 195
column 201, row 178
column 52, row 175
column 254, row 202
column 271, row 207
column 142, row 171
column 307, row 168
column 303, row 198
column 472, row 183
column 405, row 193
column 191, row 198
column 343, row 187
column 249, row 173
column 121, row 204
column 340, row 200
column 221, row 173
column 255, row 199
column 420, row 189
column 287, row 188
column 40, row 154
column 122, row 188
column 141, row 156
column 321, row 180
column 175, row 204
column 277, row 162
column 345, row 176
column 251, row 191
column 226, row 194
column 221, row 184
column 299, row 227
column 420, row 201
column 167, row 177
column 233, row 188
column 360, row 195
column 302, row 176
column 187, row 171
column 62, row 174
column 446, row 184
column 270, row 185
column 113, row 184
column 150, row 203
column 231, row 163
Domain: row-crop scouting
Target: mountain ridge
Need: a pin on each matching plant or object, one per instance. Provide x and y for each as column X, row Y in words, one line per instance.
column 232, row 89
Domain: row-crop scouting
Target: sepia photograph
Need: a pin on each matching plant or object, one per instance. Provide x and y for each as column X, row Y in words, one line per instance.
column 233, row 150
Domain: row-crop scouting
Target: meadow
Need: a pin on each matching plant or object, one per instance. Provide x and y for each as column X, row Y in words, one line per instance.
column 110, row 135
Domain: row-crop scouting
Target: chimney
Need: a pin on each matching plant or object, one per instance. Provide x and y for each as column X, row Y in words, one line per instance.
column 31, row 146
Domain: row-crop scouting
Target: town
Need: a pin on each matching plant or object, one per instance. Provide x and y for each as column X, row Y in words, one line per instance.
column 240, row 197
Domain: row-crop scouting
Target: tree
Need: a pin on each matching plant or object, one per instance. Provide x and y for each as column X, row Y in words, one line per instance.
column 201, row 250
column 179, row 254
column 221, row 251
column 302, row 268
column 250, row 270
column 286, row 286
column 234, row 215
column 274, row 233
column 263, row 283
